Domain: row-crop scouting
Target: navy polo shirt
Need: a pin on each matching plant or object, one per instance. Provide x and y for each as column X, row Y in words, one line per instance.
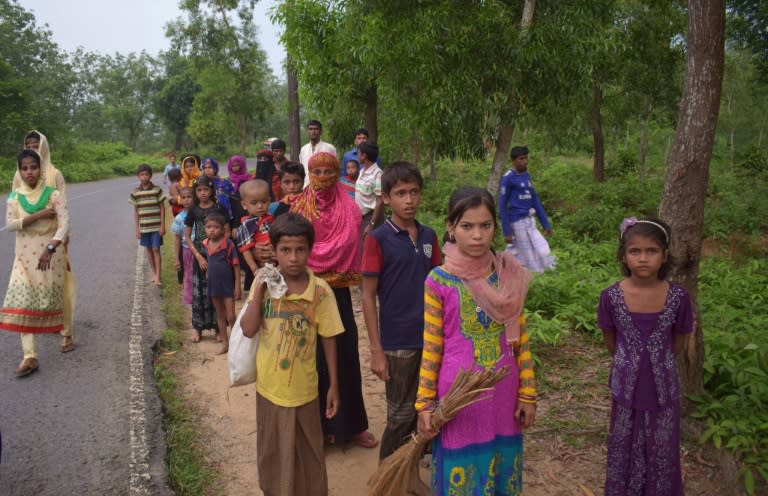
column 401, row 265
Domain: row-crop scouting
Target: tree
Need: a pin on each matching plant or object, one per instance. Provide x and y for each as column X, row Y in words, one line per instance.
column 230, row 66
column 685, row 186
column 176, row 95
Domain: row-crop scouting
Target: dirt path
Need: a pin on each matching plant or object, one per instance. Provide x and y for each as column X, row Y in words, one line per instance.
column 564, row 452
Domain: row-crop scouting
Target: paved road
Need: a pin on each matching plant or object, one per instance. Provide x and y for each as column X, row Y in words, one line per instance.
column 88, row 422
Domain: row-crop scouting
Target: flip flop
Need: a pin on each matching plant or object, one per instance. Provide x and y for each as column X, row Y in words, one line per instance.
column 67, row 344
column 27, row 366
column 366, row 440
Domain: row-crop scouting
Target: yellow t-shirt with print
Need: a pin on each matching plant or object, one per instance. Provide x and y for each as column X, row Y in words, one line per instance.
column 285, row 362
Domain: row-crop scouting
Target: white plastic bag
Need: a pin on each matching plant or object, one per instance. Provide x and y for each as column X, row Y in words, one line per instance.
column 241, row 357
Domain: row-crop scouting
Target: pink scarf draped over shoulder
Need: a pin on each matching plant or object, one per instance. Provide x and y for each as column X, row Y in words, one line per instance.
column 504, row 302
column 336, row 219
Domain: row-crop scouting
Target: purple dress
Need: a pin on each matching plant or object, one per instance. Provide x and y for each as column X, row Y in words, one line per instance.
column 644, row 437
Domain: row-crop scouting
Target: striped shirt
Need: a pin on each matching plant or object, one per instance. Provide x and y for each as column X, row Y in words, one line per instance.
column 148, row 203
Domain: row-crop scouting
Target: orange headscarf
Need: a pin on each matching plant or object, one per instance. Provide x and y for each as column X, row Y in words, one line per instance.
column 188, row 178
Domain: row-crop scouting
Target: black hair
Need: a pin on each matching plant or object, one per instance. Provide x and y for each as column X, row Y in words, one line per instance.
column 32, row 134
column 463, row 199
column 370, row 149
column 277, row 144
column 292, row 168
column 518, row 151
column 655, row 229
column 314, row 122
column 205, row 181
column 400, row 172
column 144, row 168
column 217, row 217
column 174, row 174
column 291, row 224
column 187, row 189
column 27, row 152
column 362, row 130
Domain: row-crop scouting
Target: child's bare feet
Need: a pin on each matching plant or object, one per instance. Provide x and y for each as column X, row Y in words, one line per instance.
column 197, row 337
column 224, row 349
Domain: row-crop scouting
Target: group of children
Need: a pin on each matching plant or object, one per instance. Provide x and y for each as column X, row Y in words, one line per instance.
column 430, row 311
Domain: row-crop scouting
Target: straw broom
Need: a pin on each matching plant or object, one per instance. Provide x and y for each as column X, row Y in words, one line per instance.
column 395, row 473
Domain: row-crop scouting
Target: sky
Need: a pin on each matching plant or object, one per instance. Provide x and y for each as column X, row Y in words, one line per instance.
column 109, row 26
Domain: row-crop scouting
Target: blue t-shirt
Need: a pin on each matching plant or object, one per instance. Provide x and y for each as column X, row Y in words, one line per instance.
column 352, row 155
column 401, row 267
column 516, row 198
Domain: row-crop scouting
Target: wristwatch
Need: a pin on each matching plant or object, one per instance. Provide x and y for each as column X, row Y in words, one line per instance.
column 51, row 248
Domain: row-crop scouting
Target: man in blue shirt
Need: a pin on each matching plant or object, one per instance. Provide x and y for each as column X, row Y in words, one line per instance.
column 518, row 205
column 361, row 136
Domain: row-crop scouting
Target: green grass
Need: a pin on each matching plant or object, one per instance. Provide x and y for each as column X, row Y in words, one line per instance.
column 188, row 472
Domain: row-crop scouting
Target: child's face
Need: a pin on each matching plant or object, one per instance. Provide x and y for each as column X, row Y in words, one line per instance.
column 520, row 163
column 214, row 230
column 292, row 253
column 644, row 256
column 473, row 231
column 189, row 166
column 208, row 169
column 172, row 159
column 236, row 167
column 256, row 202
column 144, row 177
column 203, row 193
column 352, row 169
column 30, row 171
column 291, row 184
column 32, row 144
column 278, row 154
column 186, row 199
column 403, row 199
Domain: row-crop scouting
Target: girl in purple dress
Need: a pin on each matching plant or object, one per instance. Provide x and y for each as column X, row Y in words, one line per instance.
column 472, row 321
column 644, row 319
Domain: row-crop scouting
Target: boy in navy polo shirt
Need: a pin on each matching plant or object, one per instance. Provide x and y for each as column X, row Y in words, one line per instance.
column 397, row 256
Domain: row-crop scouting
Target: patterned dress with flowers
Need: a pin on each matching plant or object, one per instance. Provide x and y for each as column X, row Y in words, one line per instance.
column 480, row 451
column 35, row 300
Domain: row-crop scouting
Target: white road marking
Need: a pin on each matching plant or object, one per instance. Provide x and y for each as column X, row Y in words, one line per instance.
column 139, row 465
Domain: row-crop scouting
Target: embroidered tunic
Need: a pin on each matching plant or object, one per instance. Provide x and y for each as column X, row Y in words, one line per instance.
column 644, row 437
column 480, row 450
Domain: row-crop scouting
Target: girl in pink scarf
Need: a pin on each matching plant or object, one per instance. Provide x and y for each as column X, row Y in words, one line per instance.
column 336, row 219
column 238, row 171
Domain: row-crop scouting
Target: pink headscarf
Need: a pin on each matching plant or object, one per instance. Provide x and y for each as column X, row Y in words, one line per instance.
column 503, row 303
column 238, row 177
column 335, row 217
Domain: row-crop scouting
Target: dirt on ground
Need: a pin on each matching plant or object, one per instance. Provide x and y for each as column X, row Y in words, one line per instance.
column 564, row 452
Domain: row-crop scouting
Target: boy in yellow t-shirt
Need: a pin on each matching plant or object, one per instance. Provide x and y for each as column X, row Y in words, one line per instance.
column 290, row 455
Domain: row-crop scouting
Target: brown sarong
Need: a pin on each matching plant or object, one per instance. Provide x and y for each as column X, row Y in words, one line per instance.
column 289, row 447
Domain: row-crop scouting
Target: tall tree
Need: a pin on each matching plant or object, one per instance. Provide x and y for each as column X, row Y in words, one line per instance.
column 176, row 95
column 685, row 186
column 220, row 37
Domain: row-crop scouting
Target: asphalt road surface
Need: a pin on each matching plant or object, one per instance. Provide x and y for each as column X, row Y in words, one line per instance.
column 88, row 422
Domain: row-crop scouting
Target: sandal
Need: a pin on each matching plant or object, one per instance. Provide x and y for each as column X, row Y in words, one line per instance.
column 366, row 440
column 67, row 344
column 28, row 365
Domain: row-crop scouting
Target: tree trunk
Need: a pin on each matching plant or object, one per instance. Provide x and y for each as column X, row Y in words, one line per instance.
column 685, row 186
column 598, row 169
column 178, row 141
column 294, row 127
column 503, row 145
column 507, row 115
column 643, row 155
column 370, row 117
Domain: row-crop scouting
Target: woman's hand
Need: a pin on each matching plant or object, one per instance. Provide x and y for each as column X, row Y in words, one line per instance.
column 525, row 413
column 201, row 261
column 424, row 426
column 44, row 262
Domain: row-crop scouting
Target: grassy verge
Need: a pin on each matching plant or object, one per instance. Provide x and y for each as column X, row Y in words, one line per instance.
column 186, row 456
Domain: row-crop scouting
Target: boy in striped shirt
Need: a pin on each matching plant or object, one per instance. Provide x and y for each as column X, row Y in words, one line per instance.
column 148, row 201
